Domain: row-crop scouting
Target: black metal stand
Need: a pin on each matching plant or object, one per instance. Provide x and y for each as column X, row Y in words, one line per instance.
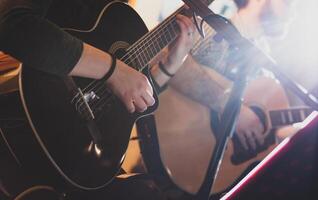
column 225, row 132
column 226, row 29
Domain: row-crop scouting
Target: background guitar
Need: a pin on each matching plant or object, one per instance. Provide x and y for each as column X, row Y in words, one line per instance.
column 186, row 140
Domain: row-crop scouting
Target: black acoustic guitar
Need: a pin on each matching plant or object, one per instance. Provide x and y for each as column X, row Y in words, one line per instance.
column 75, row 128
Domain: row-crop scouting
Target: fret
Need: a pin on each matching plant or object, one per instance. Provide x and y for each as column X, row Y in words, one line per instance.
column 161, row 40
column 134, row 63
column 155, row 45
column 275, row 118
column 283, row 117
column 166, row 39
column 171, row 30
column 140, row 56
column 143, row 54
column 132, row 60
column 158, row 44
column 288, row 116
column 146, row 52
column 174, row 31
column 138, row 66
column 302, row 114
column 152, row 49
column 145, row 57
column 176, row 28
column 145, row 49
column 168, row 34
column 296, row 115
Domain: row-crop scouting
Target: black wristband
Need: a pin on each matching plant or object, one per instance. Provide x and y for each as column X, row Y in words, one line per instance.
column 111, row 69
column 163, row 69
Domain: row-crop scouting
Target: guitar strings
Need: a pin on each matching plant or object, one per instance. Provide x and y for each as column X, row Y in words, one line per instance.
column 139, row 46
column 137, row 49
column 101, row 103
column 125, row 59
column 101, row 96
column 152, row 33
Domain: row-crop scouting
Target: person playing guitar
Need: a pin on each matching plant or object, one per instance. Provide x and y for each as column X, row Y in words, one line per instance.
column 256, row 20
column 31, row 32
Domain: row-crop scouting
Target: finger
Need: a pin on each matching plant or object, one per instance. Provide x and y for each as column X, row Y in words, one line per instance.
column 242, row 140
column 149, row 88
column 129, row 105
column 185, row 19
column 251, row 140
column 190, row 24
column 186, row 36
column 140, row 104
column 258, row 132
column 148, row 98
column 259, row 137
column 182, row 25
column 187, row 22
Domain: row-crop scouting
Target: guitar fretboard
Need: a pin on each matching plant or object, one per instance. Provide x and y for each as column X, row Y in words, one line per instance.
column 146, row 48
column 288, row 116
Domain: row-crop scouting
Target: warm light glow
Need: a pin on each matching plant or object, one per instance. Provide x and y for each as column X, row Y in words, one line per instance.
column 298, row 51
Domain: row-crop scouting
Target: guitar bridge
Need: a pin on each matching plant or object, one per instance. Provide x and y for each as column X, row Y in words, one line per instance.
column 82, row 104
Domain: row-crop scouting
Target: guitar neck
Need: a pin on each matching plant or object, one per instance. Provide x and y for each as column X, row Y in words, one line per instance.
column 147, row 47
column 285, row 117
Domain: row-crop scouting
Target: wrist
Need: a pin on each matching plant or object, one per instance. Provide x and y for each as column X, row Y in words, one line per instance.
column 158, row 76
column 111, row 70
column 172, row 64
column 164, row 70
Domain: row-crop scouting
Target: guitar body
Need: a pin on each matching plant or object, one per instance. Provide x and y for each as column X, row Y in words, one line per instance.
column 274, row 98
column 61, row 137
column 186, row 140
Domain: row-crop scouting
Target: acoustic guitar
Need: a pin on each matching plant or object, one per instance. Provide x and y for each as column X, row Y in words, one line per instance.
column 74, row 130
column 186, row 140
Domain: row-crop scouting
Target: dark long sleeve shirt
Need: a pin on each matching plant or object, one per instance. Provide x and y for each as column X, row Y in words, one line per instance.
column 30, row 31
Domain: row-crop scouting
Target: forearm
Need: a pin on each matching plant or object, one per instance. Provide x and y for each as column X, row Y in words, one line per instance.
column 36, row 42
column 93, row 63
column 159, row 78
column 202, row 84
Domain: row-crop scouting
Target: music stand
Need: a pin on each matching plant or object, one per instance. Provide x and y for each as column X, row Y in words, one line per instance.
column 288, row 172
